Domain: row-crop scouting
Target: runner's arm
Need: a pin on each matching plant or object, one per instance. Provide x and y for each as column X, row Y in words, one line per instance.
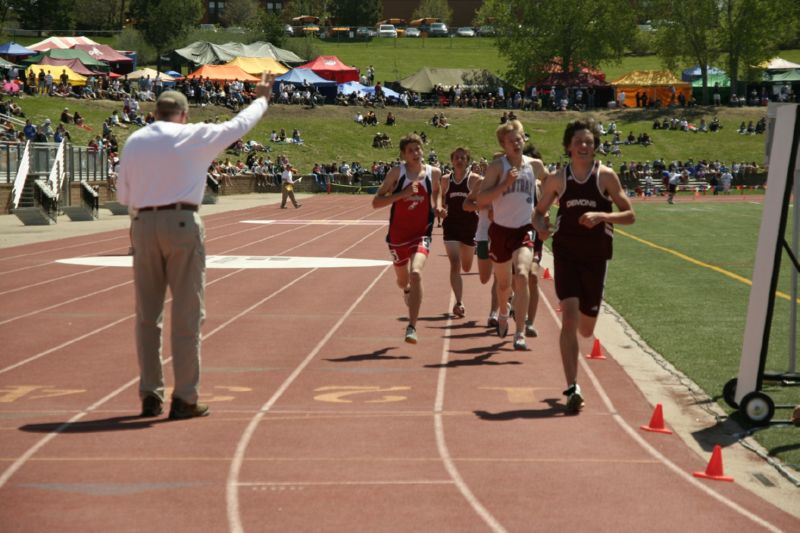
column 541, row 214
column 492, row 185
column 384, row 196
column 610, row 183
column 471, row 201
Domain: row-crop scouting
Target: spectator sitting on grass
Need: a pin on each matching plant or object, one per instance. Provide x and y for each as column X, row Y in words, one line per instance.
column 359, row 118
column 390, row 120
column 66, row 117
column 296, row 137
column 371, row 119
column 282, row 135
column 60, row 134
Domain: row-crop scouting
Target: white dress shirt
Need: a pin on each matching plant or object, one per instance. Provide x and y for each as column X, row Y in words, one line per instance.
column 166, row 162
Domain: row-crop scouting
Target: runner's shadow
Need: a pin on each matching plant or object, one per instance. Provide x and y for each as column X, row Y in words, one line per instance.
column 478, row 360
column 377, row 355
column 491, row 349
column 116, row 423
column 437, row 318
column 555, row 408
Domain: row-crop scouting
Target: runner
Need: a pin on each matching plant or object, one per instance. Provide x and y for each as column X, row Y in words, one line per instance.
column 459, row 224
column 582, row 240
column 482, row 245
column 412, row 189
column 510, row 187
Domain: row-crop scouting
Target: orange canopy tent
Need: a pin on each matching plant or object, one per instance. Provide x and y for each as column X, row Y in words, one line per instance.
column 656, row 84
column 222, row 73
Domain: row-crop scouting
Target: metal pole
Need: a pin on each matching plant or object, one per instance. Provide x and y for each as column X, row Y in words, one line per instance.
column 793, row 303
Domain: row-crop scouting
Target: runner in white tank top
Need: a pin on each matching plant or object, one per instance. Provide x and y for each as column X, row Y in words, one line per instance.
column 509, row 186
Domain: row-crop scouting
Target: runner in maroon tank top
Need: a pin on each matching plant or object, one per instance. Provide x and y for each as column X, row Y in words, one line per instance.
column 582, row 240
column 459, row 225
column 412, row 189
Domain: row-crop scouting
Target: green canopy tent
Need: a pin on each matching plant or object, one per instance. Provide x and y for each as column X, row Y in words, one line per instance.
column 721, row 78
column 205, row 53
column 425, row 79
column 70, row 53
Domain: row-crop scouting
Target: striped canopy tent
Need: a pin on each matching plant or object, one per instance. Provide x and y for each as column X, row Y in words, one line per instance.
column 60, row 42
column 778, row 63
column 222, row 73
column 656, row 84
column 75, row 79
column 257, row 65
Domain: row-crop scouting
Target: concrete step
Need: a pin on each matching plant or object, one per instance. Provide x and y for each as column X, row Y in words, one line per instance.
column 78, row 213
column 116, row 208
column 33, row 216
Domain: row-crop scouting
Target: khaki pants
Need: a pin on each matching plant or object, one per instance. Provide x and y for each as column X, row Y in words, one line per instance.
column 169, row 251
column 287, row 191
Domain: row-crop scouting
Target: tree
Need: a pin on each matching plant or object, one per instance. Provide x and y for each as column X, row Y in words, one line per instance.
column 751, row 31
column 434, row 8
column 45, row 14
column 539, row 36
column 239, row 12
column 689, row 33
column 269, row 27
column 163, row 22
column 356, row 12
column 4, row 7
column 98, row 14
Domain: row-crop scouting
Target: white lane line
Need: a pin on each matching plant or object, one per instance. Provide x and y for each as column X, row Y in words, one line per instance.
column 103, row 328
column 20, row 462
column 49, row 280
column 347, row 483
column 441, row 444
column 649, row 448
column 231, row 489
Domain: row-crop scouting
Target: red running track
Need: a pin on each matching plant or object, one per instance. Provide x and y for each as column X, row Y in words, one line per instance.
column 322, row 418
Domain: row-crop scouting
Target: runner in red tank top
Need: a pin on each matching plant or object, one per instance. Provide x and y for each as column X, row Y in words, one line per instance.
column 586, row 190
column 459, row 225
column 412, row 189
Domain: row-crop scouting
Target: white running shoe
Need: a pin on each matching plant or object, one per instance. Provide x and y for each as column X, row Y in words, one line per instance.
column 519, row 342
column 574, row 399
column 492, row 322
column 459, row 310
column 530, row 331
column 411, row 335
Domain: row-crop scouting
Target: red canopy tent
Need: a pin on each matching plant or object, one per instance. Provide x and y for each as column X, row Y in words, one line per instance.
column 332, row 68
column 74, row 64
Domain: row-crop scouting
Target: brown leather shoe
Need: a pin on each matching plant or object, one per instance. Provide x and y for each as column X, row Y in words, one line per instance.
column 152, row 406
column 180, row 410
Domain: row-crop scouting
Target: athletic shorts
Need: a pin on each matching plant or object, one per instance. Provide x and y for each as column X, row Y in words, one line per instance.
column 483, row 249
column 458, row 233
column 672, row 188
column 583, row 280
column 401, row 253
column 504, row 241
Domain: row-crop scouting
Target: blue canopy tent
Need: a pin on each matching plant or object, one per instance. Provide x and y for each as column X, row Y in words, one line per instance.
column 301, row 76
column 693, row 73
column 13, row 49
column 365, row 90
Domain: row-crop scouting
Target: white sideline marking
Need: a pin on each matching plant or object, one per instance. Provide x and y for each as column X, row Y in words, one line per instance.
column 441, row 445
column 240, row 261
column 649, row 448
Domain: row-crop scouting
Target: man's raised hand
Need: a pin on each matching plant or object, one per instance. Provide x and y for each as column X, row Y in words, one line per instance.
column 264, row 87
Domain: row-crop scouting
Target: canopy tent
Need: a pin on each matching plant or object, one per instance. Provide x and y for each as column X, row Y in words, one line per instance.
column 720, row 78
column 257, row 65
column 75, row 79
column 143, row 73
column 60, row 42
column 80, row 55
column 174, row 74
column 788, row 76
column 205, row 53
column 425, row 79
column 556, row 67
column 332, row 68
column 103, row 52
column 222, row 73
column 6, row 64
column 364, row 90
column 73, row 64
column 299, row 77
column 656, row 84
column 778, row 63
column 13, row 49
column 572, row 79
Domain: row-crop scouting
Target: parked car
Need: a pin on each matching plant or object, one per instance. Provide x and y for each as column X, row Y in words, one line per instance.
column 486, row 31
column 413, row 32
column 387, row 30
column 438, row 29
column 465, row 31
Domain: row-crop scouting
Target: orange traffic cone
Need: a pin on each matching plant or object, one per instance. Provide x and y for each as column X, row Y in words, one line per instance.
column 714, row 468
column 657, row 422
column 546, row 274
column 597, row 351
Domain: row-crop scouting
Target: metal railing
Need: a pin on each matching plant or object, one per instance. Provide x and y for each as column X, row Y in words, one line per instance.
column 82, row 162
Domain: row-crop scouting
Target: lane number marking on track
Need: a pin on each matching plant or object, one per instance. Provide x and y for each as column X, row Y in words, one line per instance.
column 12, row 393
column 341, row 394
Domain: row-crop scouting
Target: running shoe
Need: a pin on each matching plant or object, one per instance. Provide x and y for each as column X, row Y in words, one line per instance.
column 502, row 326
column 519, row 342
column 459, row 310
column 411, row 335
column 530, row 331
column 574, row 399
column 492, row 322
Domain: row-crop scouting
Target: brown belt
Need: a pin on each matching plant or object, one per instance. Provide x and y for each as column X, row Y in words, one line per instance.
column 177, row 206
